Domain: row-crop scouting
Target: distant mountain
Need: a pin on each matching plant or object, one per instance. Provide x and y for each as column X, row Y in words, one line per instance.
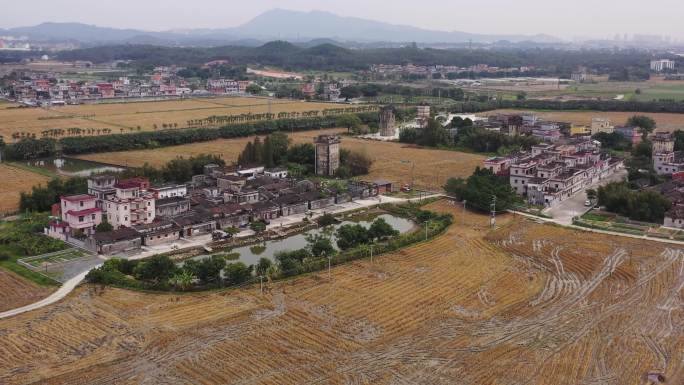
column 280, row 24
column 76, row 31
column 295, row 25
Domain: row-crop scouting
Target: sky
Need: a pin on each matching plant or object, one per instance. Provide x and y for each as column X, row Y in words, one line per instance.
column 565, row 19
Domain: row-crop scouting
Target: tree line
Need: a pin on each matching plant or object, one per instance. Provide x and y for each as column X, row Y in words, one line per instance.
column 332, row 57
column 46, row 147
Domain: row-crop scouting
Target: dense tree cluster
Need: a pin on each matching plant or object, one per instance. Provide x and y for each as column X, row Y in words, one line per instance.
column 41, row 198
column 159, row 272
column 349, row 236
column 480, row 188
column 353, row 163
column 273, row 150
column 647, row 206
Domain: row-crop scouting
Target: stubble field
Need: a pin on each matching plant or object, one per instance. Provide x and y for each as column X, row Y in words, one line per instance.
column 14, row 182
column 391, row 161
column 665, row 121
column 18, row 291
column 527, row 304
column 126, row 117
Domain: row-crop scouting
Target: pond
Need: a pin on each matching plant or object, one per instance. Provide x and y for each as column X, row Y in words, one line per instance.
column 72, row 166
column 250, row 255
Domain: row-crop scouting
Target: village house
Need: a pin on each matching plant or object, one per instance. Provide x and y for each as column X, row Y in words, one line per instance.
column 245, row 195
column 630, row 133
column 102, row 187
column 230, row 215
column 276, row 172
column 171, row 207
column 156, row 233
column 317, row 200
column 292, row 204
column 169, row 191
column 553, row 173
column 130, row 205
column 666, row 161
column 110, row 242
column 79, row 215
column 195, row 224
column 264, row 211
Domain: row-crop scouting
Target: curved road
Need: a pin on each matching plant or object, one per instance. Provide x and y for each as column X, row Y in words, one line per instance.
column 62, row 292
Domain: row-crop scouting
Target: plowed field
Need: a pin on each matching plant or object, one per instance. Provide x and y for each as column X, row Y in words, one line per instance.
column 526, row 304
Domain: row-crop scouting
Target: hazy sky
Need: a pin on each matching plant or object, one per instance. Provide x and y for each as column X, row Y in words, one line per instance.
column 566, row 18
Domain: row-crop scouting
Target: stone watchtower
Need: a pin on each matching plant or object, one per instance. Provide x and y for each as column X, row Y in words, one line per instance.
column 387, row 121
column 327, row 154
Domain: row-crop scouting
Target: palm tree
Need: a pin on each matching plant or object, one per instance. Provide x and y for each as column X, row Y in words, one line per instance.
column 182, row 280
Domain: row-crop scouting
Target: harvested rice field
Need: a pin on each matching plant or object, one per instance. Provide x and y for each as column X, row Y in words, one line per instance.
column 525, row 304
column 391, row 161
column 14, row 182
column 127, row 117
column 18, row 292
column 665, row 121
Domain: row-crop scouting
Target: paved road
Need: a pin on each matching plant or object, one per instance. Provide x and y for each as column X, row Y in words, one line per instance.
column 68, row 286
column 570, row 208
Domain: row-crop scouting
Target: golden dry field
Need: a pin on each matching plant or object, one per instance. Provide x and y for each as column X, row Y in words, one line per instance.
column 125, row 117
column 665, row 121
column 391, row 161
column 14, row 181
column 526, row 304
column 18, row 292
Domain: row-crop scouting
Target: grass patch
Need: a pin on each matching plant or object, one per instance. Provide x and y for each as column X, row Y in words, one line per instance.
column 596, row 217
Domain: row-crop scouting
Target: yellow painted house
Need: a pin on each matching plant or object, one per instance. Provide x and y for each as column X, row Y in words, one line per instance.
column 580, row 130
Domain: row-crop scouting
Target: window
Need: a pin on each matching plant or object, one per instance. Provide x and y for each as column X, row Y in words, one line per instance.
column 80, row 219
column 93, row 217
column 80, row 203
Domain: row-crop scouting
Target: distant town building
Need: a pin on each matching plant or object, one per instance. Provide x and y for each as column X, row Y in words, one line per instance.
column 662, row 65
column 327, row 154
column 579, row 77
column 387, row 121
column 601, row 125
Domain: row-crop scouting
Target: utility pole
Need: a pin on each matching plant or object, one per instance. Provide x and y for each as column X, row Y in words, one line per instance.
column 371, row 251
column 261, row 283
column 329, row 274
column 493, row 207
column 464, row 211
column 426, row 229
